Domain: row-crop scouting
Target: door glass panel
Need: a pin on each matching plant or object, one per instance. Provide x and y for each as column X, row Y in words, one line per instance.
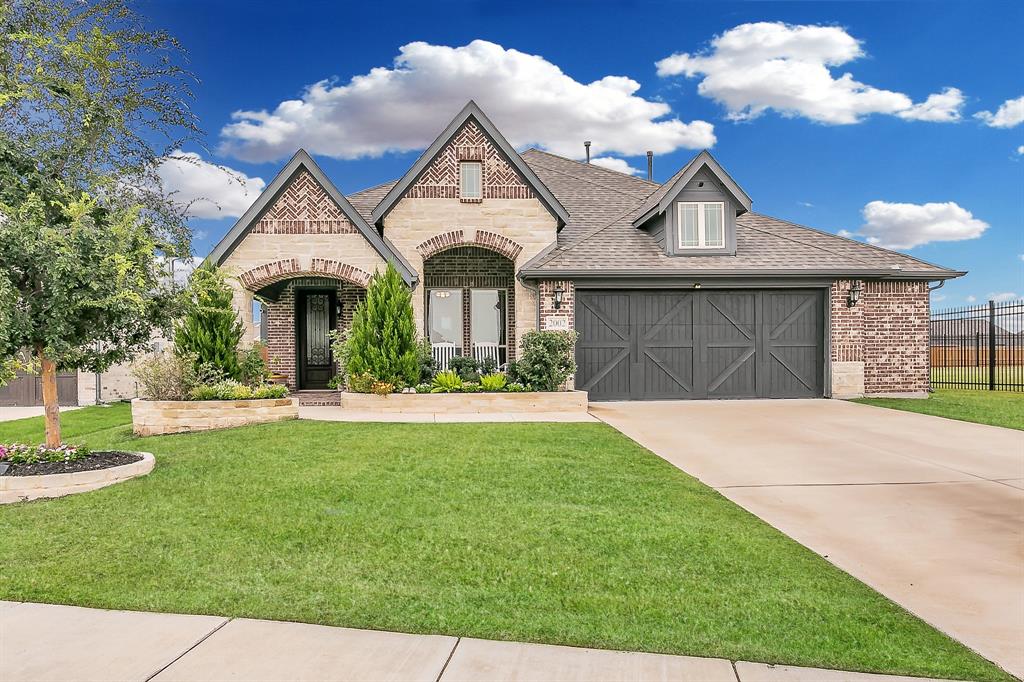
column 713, row 232
column 688, row 225
column 487, row 323
column 444, row 316
column 318, row 322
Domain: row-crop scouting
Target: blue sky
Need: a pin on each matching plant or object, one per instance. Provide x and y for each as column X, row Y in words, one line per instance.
column 807, row 145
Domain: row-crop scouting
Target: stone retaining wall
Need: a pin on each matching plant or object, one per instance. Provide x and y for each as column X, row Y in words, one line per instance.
column 154, row 417
column 23, row 488
column 466, row 403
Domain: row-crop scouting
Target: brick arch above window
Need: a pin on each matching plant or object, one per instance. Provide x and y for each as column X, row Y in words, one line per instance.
column 491, row 241
column 289, row 268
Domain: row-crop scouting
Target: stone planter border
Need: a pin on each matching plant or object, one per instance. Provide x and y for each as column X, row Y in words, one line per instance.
column 24, row 488
column 156, row 417
column 466, row 403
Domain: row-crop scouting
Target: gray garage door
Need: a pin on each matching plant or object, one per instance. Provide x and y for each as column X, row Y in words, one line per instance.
column 637, row 345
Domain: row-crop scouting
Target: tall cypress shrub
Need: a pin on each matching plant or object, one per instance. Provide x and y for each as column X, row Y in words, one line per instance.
column 210, row 327
column 383, row 336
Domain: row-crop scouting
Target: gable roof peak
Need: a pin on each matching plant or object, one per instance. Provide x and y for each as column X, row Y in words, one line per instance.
column 662, row 198
column 301, row 160
column 471, row 111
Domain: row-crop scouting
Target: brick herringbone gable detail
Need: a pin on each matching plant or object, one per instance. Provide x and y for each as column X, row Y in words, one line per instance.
column 488, row 240
column 269, row 273
column 304, row 207
column 441, row 178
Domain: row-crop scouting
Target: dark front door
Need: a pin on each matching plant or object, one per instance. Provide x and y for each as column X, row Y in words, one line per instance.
column 700, row 344
column 315, row 320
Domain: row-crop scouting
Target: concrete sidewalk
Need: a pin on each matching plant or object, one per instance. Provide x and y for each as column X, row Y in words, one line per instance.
column 9, row 414
column 48, row 642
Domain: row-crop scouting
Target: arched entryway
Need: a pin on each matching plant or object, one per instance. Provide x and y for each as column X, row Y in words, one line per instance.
column 469, row 294
column 301, row 306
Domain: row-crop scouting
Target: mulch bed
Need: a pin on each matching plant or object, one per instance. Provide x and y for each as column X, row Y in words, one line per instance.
column 95, row 460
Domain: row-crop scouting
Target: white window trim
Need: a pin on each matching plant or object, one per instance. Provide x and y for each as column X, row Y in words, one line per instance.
column 480, row 179
column 701, row 235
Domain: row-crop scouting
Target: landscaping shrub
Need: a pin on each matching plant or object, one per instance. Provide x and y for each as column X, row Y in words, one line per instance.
column 340, row 352
column 467, row 368
column 17, row 453
column 361, row 383
column 546, row 360
column 423, row 388
column 426, row 361
column 167, row 376
column 495, row 381
column 516, row 387
column 210, row 329
column 382, row 387
column 471, row 387
column 382, row 340
column 229, row 389
column 488, row 366
column 252, row 367
column 446, row 382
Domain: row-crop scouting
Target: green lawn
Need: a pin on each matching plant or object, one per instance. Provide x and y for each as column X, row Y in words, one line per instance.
column 1006, row 375
column 559, row 533
column 997, row 408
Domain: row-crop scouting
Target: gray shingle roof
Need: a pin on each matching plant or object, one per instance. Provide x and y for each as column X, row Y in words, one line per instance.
column 599, row 238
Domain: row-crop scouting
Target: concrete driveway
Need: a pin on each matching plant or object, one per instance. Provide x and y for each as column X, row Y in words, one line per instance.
column 928, row 511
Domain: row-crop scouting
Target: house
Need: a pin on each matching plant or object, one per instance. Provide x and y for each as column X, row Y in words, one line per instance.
column 677, row 290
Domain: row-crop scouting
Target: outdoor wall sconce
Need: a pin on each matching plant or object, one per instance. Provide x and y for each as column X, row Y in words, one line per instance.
column 338, row 308
column 855, row 290
column 559, row 292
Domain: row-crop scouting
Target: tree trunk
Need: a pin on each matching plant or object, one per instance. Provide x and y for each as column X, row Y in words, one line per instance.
column 48, row 372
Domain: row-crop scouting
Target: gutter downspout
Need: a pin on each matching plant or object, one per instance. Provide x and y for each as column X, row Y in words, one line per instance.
column 942, row 283
column 535, row 290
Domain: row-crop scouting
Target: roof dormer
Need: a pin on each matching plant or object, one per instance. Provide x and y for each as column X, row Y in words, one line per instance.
column 694, row 213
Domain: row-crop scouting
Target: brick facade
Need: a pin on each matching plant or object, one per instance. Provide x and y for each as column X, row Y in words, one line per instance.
column 441, row 178
column 884, row 337
column 473, row 267
column 279, row 321
column 547, row 302
column 304, row 207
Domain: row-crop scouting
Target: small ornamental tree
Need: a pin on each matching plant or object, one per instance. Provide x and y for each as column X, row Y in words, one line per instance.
column 382, row 341
column 91, row 103
column 210, row 329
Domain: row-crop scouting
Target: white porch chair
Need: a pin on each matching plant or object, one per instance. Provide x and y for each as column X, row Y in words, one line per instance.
column 443, row 352
column 485, row 349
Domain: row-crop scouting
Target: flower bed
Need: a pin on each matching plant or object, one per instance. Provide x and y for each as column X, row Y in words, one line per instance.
column 467, row 403
column 154, row 417
column 17, row 487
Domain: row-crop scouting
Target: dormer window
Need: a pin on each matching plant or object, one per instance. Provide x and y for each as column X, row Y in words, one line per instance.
column 701, row 224
column 470, row 180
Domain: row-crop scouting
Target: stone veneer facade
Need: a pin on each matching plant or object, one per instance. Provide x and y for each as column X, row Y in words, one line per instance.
column 880, row 345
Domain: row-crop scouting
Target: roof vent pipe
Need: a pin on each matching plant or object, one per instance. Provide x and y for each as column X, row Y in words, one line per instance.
column 587, row 146
column 650, row 165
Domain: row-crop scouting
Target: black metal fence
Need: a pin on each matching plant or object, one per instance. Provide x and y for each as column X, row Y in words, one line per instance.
column 979, row 347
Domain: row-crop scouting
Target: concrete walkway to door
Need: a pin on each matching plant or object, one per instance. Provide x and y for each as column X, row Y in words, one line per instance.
column 928, row 511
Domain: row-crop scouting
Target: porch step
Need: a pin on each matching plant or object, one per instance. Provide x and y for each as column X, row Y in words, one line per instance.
column 319, row 398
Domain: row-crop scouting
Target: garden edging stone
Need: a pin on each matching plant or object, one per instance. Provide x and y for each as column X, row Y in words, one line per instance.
column 156, row 417
column 24, row 488
column 467, row 403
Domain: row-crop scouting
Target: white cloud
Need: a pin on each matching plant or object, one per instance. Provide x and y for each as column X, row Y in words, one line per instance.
column 1001, row 296
column 402, row 108
column 1009, row 114
column 941, row 107
column 938, row 298
column 1020, row 255
column 180, row 268
column 971, row 299
column 612, row 163
column 805, row 204
column 1020, row 149
column 755, row 67
column 904, row 226
column 209, row 190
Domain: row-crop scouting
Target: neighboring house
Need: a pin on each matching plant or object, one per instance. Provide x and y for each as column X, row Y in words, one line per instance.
column 677, row 290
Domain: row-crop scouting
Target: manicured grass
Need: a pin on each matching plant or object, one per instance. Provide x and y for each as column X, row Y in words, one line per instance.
column 977, row 377
column 559, row 533
column 996, row 408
